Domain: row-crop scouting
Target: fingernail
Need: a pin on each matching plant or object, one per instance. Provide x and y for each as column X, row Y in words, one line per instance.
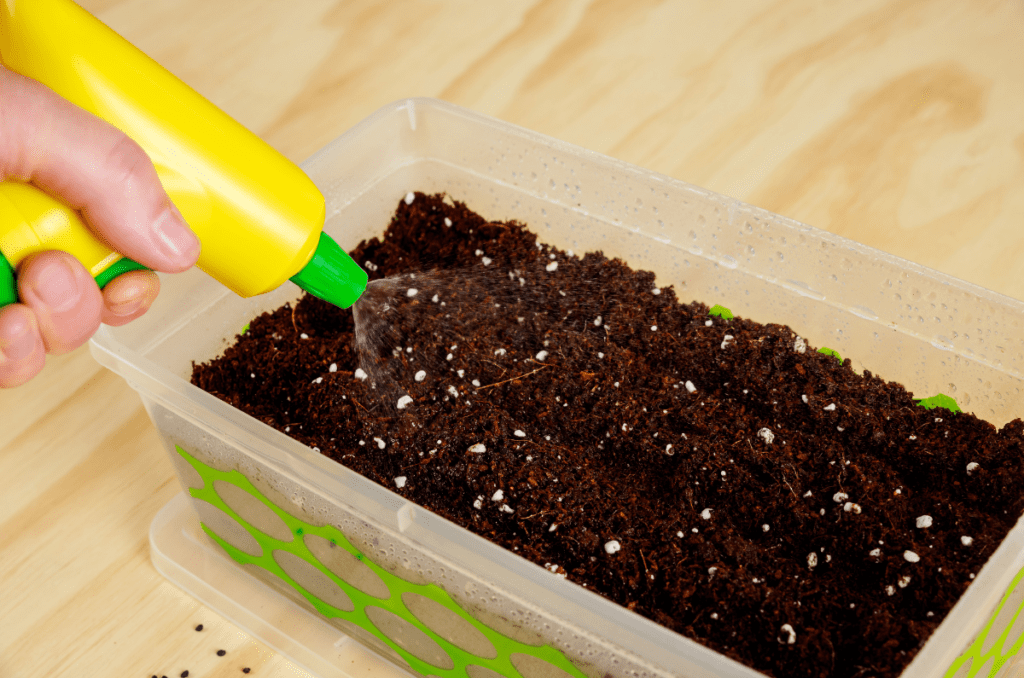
column 175, row 239
column 20, row 342
column 56, row 286
column 126, row 308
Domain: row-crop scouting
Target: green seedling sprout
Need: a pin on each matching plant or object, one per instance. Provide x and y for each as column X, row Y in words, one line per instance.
column 940, row 400
column 721, row 312
column 828, row 351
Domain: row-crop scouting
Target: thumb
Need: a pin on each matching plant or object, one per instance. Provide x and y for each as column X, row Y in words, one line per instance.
column 94, row 168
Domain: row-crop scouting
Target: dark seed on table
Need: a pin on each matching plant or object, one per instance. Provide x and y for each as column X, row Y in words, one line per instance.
column 221, row 653
column 199, row 628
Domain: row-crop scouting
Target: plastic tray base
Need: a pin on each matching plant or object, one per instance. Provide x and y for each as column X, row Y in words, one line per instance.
column 183, row 554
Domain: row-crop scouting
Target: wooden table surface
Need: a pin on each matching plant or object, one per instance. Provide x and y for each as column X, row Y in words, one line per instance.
column 898, row 124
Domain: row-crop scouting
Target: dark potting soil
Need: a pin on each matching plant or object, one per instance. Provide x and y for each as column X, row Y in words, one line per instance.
column 719, row 477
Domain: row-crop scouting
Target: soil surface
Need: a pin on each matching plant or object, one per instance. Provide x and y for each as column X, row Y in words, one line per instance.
column 720, row 477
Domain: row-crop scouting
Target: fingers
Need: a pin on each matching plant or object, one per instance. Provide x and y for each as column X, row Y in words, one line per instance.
column 94, row 168
column 22, row 352
column 62, row 309
column 66, row 302
column 128, row 296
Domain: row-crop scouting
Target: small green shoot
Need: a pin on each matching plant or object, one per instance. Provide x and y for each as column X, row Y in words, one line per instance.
column 828, row 351
column 940, row 400
column 245, row 329
column 721, row 312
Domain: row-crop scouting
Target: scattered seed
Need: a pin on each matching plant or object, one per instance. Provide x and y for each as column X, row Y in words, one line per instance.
column 199, row 628
column 221, row 653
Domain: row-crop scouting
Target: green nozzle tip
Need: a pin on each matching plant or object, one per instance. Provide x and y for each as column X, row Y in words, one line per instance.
column 332, row 275
column 8, row 287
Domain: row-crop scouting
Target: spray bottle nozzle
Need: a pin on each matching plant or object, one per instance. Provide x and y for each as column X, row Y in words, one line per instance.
column 332, row 275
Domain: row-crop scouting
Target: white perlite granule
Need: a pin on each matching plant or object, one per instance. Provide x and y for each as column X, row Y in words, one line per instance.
column 799, row 345
column 706, row 514
column 519, row 434
column 551, row 267
column 840, row 497
column 612, row 547
column 791, row 634
column 400, row 482
column 812, row 560
column 421, row 375
column 923, row 522
column 478, row 448
column 541, row 356
column 409, row 197
column 690, row 387
column 911, row 557
column 966, row 541
column 360, row 374
column 498, row 496
column 766, row 435
column 404, row 402
column 380, row 443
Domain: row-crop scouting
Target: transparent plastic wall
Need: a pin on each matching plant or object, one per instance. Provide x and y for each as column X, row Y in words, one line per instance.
column 901, row 321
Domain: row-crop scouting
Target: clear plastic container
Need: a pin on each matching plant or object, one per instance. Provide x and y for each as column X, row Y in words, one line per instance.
column 902, row 321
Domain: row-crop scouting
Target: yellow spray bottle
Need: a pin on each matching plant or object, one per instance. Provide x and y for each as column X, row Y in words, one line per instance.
column 257, row 215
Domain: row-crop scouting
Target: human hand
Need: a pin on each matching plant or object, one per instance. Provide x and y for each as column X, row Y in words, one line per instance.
column 94, row 168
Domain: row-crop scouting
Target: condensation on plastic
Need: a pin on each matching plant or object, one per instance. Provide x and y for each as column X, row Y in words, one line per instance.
column 906, row 323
